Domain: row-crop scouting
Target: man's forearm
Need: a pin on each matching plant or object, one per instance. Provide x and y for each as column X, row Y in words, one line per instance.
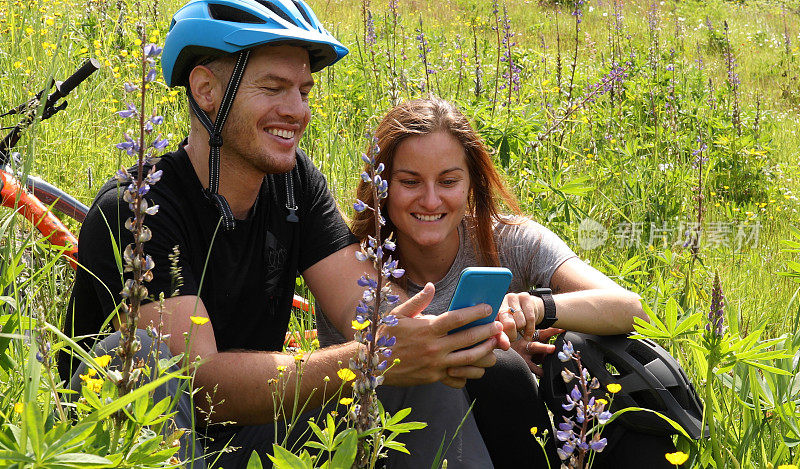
column 238, row 382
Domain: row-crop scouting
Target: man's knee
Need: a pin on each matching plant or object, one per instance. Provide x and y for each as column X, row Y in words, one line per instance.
column 148, row 354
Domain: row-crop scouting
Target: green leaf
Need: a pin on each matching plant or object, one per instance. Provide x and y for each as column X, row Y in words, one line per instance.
column 285, row 459
column 118, row 404
column 504, row 152
column 81, row 460
column 577, row 186
column 398, row 416
column 654, row 329
column 10, row 301
column 346, row 452
column 405, row 427
column 255, row 461
column 15, row 456
column 75, row 434
column 397, row 446
column 167, row 363
column 157, row 413
column 769, row 368
column 671, row 422
column 33, row 427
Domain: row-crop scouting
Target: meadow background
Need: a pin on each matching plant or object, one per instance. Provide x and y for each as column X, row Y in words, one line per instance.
column 658, row 139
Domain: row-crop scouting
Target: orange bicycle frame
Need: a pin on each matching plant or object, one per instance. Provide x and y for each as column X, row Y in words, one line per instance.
column 38, row 214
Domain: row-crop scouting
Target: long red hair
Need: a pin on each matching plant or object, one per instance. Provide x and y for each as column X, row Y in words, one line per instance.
column 424, row 117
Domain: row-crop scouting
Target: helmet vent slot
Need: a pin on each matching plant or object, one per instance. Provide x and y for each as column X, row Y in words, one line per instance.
column 642, row 355
column 303, row 12
column 612, row 369
column 645, row 399
column 234, row 15
column 679, row 396
column 275, row 9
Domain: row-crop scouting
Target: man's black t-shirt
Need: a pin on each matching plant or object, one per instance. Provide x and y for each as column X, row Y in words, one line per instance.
column 250, row 271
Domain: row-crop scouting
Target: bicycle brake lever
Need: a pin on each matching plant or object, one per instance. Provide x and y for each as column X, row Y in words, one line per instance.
column 52, row 110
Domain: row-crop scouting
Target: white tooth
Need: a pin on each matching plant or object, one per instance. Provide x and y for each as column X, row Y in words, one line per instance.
column 281, row 133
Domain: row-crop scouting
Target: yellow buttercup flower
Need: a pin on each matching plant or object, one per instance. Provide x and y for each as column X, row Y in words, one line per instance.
column 19, row 407
column 677, row 458
column 298, row 357
column 614, row 388
column 199, row 320
column 281, row 368
column 103, row 361
column 358, row 326
column 346, row 374
column 94, row 385
column 346, row 400
column 89, row 373
column 602, row 401
column 534, row 430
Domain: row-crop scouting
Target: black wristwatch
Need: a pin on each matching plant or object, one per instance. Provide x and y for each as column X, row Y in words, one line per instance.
column 546, row 295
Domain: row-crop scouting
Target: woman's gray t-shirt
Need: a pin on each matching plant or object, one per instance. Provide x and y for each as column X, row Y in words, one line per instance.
column 532, row 253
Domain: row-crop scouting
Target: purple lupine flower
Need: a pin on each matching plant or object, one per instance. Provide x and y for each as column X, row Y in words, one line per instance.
column 370, row 38
column 152, row 50
column 154, row 176
column 159, row 143
column 130, row 112
column 151, row 75
column 598, row 444
column 359, row 206
column 716, row 313
column 130, row 146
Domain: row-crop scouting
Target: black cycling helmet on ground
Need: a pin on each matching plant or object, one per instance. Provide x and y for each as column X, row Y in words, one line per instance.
column 649, row 376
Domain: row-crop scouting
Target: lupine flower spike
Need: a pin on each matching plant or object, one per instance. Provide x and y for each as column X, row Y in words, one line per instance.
column 575, row 433
column 716, row 313
column 136, row 263
column 373, row 311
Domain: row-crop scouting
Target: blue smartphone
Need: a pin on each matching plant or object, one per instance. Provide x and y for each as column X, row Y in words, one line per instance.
column 480, row 285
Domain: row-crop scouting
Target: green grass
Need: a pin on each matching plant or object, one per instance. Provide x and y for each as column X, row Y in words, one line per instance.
column 626, row 160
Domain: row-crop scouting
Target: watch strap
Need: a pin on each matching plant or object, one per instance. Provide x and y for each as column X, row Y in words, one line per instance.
column 546, row 295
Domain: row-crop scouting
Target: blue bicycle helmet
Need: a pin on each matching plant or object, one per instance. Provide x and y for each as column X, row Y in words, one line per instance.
column 217, row 27
column 211, row 28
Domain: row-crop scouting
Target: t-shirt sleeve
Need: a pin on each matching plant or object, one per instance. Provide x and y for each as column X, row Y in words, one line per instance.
column 531, row 251
column 323, row 229
column 106, row 222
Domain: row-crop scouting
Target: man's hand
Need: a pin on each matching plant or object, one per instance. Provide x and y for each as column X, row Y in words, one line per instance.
column 428, row 353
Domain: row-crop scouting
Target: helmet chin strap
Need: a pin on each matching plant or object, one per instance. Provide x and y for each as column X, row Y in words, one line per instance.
column 215, row 137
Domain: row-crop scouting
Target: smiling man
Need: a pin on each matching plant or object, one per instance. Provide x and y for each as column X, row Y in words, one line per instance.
column 248, row 211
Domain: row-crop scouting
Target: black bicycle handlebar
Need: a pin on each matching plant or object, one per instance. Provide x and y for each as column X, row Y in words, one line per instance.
column 63, row 88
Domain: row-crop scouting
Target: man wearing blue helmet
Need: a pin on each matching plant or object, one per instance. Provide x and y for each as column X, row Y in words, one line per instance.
column 248, row 211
